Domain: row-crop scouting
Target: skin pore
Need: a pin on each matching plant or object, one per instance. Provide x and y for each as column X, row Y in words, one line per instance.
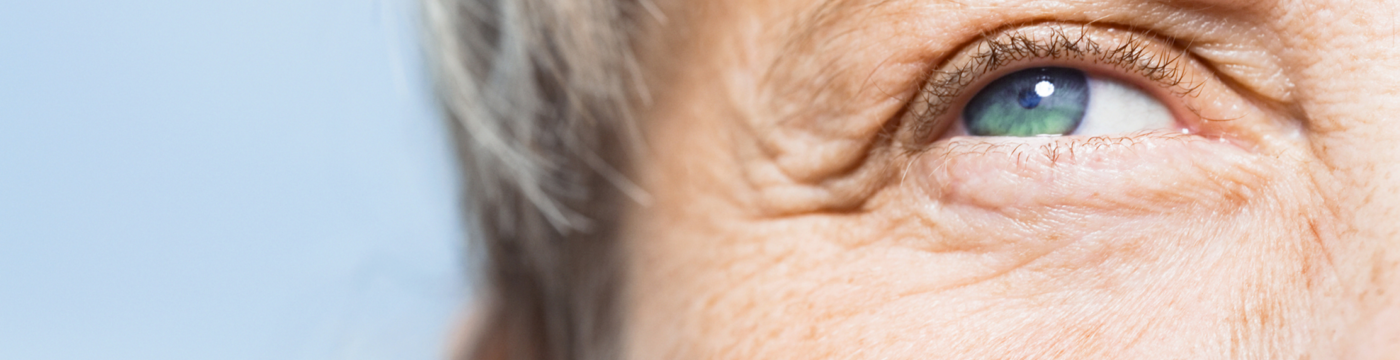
column 815, row 196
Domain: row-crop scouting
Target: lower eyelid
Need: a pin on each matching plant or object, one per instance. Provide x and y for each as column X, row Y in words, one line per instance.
column 1148, row 171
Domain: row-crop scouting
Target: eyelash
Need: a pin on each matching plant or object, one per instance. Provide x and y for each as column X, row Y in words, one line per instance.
column 996, row 52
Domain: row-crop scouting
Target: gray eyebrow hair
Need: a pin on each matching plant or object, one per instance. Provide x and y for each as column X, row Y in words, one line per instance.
column 820, row 17
column 805, row 36
column 830, row 11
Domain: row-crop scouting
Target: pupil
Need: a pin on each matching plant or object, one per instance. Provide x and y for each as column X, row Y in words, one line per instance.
column 1029, row 99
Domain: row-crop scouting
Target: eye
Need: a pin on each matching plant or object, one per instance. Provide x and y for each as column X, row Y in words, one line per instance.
column 1055, row 79
column 1061, row 101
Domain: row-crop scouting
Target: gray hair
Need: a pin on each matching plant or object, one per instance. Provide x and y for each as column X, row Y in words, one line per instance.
column 540, row 93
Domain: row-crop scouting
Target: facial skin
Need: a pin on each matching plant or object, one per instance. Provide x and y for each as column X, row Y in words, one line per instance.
column 814, row 196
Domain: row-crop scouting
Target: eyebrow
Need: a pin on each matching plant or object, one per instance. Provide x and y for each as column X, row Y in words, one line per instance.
column 830, row 11
column 808, row 29
column 1255, row 7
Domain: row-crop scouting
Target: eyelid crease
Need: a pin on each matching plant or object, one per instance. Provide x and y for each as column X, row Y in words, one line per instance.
column 1142, row 54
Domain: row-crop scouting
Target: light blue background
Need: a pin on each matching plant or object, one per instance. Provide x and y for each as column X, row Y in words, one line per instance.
column 222, row 180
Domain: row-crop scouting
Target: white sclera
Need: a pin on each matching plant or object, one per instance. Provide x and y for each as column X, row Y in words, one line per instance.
column 1118, row 108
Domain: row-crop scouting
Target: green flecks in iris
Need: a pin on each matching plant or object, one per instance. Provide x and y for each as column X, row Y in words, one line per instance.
column 1038, row 101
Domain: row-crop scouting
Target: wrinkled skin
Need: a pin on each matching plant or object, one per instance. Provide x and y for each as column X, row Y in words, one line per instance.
column 797, row 213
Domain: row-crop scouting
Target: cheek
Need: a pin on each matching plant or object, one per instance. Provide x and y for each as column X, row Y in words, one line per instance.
column 1144, row 246
column 1154, row 246
column 1150, row 247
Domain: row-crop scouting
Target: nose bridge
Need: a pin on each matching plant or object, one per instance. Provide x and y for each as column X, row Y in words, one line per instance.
column 1345, row 60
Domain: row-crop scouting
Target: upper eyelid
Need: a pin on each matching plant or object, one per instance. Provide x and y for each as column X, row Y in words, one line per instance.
column 1128, row 50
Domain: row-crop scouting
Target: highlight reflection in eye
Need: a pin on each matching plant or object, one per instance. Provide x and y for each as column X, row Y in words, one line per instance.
column 1061, row 101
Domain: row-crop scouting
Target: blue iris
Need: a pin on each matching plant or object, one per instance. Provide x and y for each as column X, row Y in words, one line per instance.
column 1037, row 101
